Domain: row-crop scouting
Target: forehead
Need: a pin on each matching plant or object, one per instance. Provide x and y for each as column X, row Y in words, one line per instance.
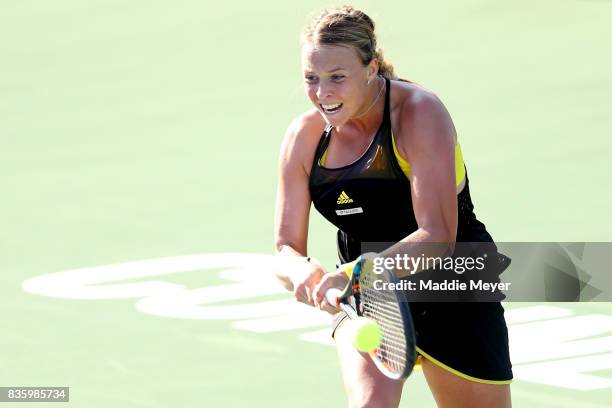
column 325, row 58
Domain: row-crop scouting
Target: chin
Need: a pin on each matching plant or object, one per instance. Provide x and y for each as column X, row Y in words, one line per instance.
column 334, row 120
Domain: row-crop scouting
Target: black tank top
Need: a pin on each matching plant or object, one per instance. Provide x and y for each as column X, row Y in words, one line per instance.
column 369, row 200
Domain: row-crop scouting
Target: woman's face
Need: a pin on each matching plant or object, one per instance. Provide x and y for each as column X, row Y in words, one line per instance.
column 335, row 80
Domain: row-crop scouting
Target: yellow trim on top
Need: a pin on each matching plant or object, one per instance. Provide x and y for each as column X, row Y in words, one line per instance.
column 323, row 157
column 459, row 164
column 459, row 373
column 405, row 166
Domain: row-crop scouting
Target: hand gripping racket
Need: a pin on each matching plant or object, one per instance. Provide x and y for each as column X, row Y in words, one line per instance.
column 396, row 355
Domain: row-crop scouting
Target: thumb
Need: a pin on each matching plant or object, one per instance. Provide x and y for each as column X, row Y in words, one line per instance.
column 320, row 298
column 320, row 289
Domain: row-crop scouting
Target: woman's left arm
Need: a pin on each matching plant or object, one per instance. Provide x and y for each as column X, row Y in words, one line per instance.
column 426, row 138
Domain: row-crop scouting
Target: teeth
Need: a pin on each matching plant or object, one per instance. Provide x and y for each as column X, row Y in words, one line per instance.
column 331, row 107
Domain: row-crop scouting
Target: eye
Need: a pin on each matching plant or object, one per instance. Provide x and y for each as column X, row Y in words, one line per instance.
column 338, row 77
column 310, row 79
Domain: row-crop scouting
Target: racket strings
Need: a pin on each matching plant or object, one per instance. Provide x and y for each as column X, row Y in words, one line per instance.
column 392, row 351
column 383, row 307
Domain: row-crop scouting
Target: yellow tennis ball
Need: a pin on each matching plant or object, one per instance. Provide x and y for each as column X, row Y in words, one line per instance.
column 367, row 336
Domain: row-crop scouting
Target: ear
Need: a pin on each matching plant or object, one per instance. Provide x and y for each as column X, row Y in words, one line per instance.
column 372, row 69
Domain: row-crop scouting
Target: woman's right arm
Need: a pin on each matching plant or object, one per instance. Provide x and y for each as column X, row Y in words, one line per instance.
column 292, row 211
column 292, row 196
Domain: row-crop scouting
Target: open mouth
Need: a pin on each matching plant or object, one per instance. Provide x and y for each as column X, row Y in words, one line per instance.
column 331, row 108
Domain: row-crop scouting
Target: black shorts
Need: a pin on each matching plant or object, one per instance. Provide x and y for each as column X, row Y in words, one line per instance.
column 469, row 339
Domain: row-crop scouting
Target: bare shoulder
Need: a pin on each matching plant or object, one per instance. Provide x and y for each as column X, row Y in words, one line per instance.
column 301, row 140
column 419, row 116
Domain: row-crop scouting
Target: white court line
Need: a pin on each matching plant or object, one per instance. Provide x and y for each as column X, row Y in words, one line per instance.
column 282, row 323
column 533, row 313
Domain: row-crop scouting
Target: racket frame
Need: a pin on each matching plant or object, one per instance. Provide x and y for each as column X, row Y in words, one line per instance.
column 342, row 300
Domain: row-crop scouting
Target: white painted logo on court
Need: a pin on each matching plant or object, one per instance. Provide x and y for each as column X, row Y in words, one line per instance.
column 549, row 344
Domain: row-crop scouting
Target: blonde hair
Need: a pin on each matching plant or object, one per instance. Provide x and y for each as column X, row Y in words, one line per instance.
column 346, row 26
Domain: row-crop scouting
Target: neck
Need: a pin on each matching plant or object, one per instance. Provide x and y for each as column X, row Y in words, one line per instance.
column 368, row 120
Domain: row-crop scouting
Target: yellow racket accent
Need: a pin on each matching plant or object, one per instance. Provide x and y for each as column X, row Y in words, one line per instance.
column 348, row 268
column 366, row 264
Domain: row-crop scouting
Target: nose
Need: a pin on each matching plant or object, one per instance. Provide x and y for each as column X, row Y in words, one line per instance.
column 323, row 91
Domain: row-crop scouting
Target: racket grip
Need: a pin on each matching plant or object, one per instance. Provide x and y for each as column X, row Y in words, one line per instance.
column 332, row 296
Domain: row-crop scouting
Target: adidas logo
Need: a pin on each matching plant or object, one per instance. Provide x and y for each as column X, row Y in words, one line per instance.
column 343, row 198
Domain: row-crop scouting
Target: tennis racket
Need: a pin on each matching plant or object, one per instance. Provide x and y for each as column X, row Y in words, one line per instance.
column 396, row 355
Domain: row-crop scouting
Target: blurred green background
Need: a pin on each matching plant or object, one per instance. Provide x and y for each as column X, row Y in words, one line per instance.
column 148, row 129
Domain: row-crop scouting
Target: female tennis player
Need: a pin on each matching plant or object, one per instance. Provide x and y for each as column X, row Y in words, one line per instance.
column 379, row 158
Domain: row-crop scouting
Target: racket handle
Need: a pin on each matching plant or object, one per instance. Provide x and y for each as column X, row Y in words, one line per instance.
column 332, row 296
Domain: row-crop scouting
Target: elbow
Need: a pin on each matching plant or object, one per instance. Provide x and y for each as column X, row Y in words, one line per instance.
column 442, row 234
column 450, row 238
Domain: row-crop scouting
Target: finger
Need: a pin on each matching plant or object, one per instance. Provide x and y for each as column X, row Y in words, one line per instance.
column 308, row 296
column 315, row 295
column 319, row 291
column 327, row 307
column 302, row 299
column 299, row 294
